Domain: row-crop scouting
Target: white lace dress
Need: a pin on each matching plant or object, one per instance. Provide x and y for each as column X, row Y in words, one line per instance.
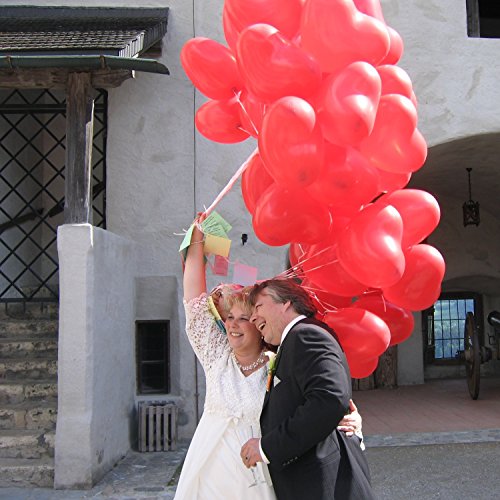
column 213, row 468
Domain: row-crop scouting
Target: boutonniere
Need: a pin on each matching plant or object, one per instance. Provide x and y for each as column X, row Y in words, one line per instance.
column 271, row 369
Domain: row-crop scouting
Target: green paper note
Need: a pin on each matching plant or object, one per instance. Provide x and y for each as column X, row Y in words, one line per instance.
column 187, row 238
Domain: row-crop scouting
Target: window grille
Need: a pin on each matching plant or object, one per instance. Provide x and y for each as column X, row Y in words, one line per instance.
column 445, row 324
column 32, row 157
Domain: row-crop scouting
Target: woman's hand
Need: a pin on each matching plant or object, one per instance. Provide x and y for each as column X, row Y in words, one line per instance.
column 352, row 422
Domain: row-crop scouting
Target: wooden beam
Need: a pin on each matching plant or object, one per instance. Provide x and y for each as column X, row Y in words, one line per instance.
column 57, row 78
column 79, row 134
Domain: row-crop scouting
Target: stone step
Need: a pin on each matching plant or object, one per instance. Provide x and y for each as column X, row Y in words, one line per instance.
column 31, row 444
column 10, row 328
column 29, row 415
column 25, row 347
column 23, row 473
column 13, row 391
column 28, row 368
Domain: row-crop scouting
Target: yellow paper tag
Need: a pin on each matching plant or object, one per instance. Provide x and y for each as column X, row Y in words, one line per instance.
column 217, row 245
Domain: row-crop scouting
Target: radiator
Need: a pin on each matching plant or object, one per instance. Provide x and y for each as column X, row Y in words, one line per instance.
column 157, row 426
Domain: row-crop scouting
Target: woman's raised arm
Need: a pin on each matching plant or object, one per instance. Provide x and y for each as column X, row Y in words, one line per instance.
column 194, row 280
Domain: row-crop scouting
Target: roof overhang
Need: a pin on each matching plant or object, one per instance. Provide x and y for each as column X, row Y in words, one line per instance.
column 52, row 41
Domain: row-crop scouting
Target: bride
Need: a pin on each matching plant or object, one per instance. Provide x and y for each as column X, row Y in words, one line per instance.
column 235, row 368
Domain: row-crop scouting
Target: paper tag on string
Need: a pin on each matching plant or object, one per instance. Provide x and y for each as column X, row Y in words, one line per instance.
column 214, row 224
column 186, row 242
column 216, row 245
column 244, row 275
column 220, row 266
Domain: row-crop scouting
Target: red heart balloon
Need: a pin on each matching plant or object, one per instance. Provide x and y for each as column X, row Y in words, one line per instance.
column 361, row 368
column 420, row 284
column 296, row 252
column 419, row 210
column 370, row 247
column 211, row 67
column 337, row 34
column 254, row 181
column 396, row 47
column 231, row 34
column 220, row 121
column 321, row 265
column 390, row 181
column 395, row 144
column 400, row 321
column 374, row 9
column 291, row 143
column 371, row 8
column 285, row 215
column 347, row 181
column 395, row 80
column 284, row 15
column 361, row 334
column 273, row 67
column 347, row 103
column 323, row 300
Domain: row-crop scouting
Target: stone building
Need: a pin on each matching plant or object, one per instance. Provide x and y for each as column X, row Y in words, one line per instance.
column 112, row 275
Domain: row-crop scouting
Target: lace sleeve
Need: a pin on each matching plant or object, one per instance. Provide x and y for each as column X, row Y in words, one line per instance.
column 207, row 341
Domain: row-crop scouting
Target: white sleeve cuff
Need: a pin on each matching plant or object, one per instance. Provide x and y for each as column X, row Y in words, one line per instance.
column 262, row 454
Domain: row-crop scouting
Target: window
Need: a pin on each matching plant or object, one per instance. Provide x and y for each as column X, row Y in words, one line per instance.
column 483, row 18
column 152, row 353
column 444, row 325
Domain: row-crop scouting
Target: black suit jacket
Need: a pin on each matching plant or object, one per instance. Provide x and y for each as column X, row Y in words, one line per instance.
column 309, row 397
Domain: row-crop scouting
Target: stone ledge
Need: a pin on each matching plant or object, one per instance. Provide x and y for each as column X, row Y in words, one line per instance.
column 428, row 438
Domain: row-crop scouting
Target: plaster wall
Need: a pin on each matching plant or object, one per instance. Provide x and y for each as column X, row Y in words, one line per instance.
column 96, row 354
column 455, row 77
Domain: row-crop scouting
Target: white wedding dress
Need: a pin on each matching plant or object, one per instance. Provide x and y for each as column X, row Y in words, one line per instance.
column 213, row 469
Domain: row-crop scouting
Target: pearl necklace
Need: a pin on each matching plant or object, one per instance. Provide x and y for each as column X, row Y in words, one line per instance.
column 261, row 359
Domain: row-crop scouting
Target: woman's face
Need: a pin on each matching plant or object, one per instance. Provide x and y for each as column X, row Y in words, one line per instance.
column 242, row 335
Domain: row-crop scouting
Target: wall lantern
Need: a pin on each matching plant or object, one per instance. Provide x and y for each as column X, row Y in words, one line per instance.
column 470, row 207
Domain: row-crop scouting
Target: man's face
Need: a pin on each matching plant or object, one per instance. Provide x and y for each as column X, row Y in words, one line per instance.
column 268, row 317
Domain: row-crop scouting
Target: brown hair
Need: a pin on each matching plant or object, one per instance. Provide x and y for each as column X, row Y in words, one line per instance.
column 283, row 290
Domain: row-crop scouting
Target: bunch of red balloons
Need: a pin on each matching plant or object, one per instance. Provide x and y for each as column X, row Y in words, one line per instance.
column 317, row 83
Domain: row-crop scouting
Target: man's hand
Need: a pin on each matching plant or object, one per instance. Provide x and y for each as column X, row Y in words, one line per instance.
column 250, row 453
column 351, row 423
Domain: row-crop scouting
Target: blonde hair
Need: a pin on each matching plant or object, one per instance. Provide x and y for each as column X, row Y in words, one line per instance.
column 222, row 291
column 238, row 297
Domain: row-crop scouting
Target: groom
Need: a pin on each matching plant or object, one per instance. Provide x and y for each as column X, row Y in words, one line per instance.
column 308, row 394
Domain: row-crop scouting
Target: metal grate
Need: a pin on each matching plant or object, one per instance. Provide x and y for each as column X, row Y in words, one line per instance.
column 157, row 426
column 32, row 156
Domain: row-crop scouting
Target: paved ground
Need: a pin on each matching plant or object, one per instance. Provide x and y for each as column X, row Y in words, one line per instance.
column 444, row 472
column 423, row 442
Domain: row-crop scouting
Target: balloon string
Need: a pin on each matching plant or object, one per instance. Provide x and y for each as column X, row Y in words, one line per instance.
column 238, row 94
column 231, row 182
